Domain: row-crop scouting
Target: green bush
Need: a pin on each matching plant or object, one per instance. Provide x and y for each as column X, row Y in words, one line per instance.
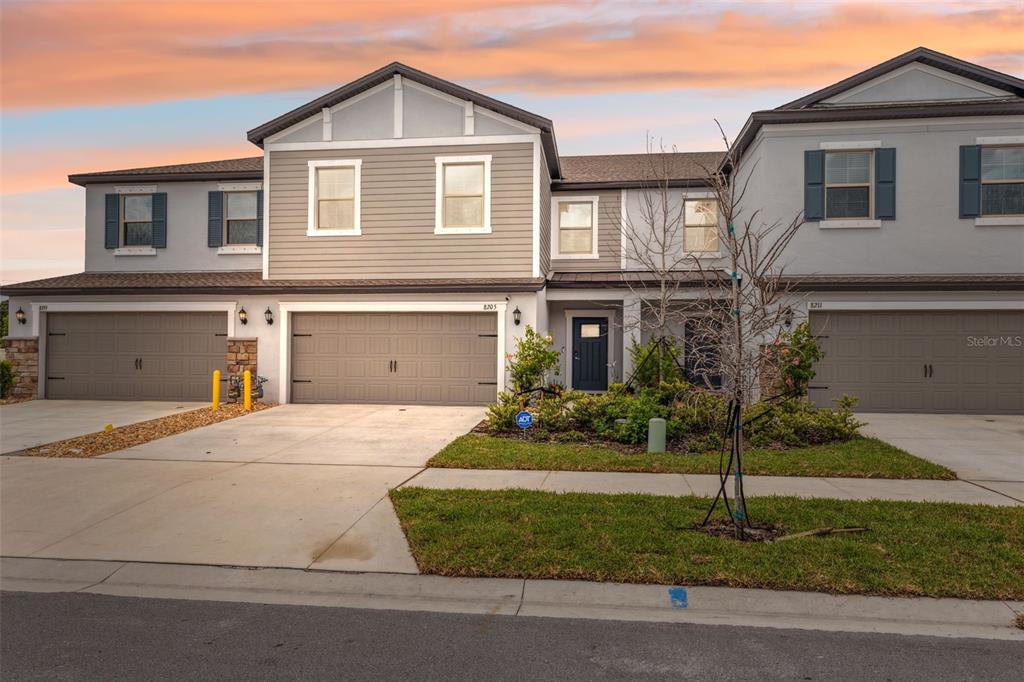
column 647, row 362
column 797, row 422
column 700, row 412
column 554, row 412
column 794, row 354
column 501, row 415
column 533, row 360
column 6, row 378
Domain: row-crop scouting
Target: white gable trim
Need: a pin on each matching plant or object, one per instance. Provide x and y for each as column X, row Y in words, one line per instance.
column 316, row 118
column 399, row 105
column 468, row 123
column 328, row 124
column 404, row 142
column 436, row 93
column 501, row 118
column 386, row 85
column 982, row 88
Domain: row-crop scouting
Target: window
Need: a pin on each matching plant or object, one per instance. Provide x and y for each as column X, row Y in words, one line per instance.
column 700, row 226
column 590, row 331
column 137, row 219
column 334, row 198
column 848, row 185
column 241, row 219
column 576, row 230
column 1002, row 181
column 463, row 194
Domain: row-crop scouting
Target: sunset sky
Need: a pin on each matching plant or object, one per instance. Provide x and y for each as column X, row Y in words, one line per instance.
column 88, row 86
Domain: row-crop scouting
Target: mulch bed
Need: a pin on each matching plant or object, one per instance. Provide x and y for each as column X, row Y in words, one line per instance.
column 12, row 401
column 102, row 442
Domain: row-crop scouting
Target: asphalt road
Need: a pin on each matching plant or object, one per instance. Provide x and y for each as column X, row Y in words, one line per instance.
column 82, row 636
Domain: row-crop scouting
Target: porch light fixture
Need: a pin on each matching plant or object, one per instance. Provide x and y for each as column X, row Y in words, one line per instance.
column 268, row 315
column 787, row 318
column 20, row 316
column 243, row 316
column 517, row 316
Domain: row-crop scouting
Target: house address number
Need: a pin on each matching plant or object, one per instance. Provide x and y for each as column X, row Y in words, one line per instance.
column 490, row 306
column 814, row 305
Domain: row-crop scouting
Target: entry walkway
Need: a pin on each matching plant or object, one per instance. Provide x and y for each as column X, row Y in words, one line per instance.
column 707, row 485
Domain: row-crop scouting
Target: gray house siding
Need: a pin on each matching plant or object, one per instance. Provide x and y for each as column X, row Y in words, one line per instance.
column 398, row 215
column 609, row 234
column 187, row 242
column 927, row 235
column 545, row 222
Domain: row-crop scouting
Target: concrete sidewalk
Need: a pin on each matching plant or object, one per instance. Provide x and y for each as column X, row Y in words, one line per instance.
column 544, row 598
column 964, row 492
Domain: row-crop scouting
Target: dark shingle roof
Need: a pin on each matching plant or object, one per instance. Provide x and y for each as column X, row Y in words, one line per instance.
column 247, row 168
column 250, row 281
column 628, row 169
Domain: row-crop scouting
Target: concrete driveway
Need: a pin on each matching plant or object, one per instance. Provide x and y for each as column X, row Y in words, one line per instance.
column 37, row 422
column 988, row 450
column 295, row 486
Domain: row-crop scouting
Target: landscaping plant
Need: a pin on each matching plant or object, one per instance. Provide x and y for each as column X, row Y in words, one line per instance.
column 6, row 378
column 534, row 360
column 654, row 364
column 793, row 356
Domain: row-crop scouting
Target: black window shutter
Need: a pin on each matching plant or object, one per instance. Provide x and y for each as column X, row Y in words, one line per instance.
column 970, row 181
column 885, row 184
column 814, row 184
column 160, row 220
column 215, row 227
column 112, row 223
column 259, row 218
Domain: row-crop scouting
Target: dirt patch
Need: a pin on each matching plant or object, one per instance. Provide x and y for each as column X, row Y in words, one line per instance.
column 102, row 442
column 12, row 401
column 758, row 532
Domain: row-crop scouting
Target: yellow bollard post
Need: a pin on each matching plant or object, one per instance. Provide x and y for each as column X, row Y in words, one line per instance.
column 215, row 404
column 247, row 387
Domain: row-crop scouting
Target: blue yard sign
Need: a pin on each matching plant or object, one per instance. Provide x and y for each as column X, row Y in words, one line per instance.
column 524, row 420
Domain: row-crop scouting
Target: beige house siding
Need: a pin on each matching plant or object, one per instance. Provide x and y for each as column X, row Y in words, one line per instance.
column 609, row 234
column 397, row 218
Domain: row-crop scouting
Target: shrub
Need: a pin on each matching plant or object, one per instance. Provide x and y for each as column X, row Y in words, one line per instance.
column 533, row 360
column 647, row 363
column 793, row 354
column 6, row 378
column 797, row 422
column 554, row 412
column 700, row 412
column 501, row 415
column 571, row 436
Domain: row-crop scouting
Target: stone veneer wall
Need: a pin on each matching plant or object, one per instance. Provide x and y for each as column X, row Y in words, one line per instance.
column 241, row 356
column 24, row 357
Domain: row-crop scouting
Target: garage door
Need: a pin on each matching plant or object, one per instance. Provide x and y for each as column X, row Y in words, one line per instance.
column 413, row 358
column 134, row 356
column 956, row 361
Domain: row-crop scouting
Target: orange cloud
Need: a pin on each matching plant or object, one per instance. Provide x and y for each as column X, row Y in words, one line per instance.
column 37, row 170
column 80, row 53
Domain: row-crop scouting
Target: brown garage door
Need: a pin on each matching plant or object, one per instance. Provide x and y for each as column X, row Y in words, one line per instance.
column 413, row 358
column 955, row 361
column 134, row 356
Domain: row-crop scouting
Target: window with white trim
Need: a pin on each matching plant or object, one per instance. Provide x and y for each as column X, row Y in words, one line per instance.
column 1002, row 181
column 463, row 194
column 334, row 198
column 137, row 219
column 576, row 227
column 848, row 185
column 240, row 218
column 700, row 226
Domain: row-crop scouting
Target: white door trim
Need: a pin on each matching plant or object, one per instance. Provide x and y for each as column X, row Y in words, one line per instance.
column 227, row 307
column 286, row 308
column 569, row 315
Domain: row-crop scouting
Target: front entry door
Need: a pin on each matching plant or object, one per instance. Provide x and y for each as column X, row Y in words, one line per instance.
column 590, row 353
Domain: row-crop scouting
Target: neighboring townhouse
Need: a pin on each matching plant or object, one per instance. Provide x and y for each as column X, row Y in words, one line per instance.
column 398, row 234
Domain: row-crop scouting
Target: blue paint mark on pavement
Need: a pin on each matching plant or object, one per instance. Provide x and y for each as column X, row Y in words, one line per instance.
column 677, row 595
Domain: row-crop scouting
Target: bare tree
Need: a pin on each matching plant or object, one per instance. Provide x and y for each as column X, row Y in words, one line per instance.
column 735, row 322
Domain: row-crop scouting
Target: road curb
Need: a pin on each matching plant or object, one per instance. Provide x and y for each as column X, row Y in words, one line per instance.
column 538, row 598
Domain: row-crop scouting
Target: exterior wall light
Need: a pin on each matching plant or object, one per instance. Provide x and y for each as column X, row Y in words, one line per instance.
column 787, row 318
column 268, row 315
column 20, row 316
column 517, row 316
column 243, row 316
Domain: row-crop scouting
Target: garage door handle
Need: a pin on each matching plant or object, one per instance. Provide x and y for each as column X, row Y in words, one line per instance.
column 931, row 371
column 302, row 381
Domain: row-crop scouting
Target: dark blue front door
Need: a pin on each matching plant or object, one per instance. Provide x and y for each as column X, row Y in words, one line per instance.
column 590, row 353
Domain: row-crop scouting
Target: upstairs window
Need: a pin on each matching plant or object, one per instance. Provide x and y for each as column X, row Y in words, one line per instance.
column 463, row 195
column 137, row 220
column 1002, row 181
column 848, row 185
column 334, row 198
column 241, row 218
column 700, row 226
column 576, row 230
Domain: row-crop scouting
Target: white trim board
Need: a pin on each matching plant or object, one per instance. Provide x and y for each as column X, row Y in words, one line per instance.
column 815, row 306
column 312, row 228
column 439, row 163
column 227, row 307
column 286, row 308
column 569, row 316
column 403, row 142
column 266, row 214
column 556, row 226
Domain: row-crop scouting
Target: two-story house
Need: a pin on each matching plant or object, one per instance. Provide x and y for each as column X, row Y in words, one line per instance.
column 397, row 235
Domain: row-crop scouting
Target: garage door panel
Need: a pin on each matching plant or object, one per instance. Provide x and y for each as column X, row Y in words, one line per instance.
column 427, row 358
column 927, row 361
column 96, row 355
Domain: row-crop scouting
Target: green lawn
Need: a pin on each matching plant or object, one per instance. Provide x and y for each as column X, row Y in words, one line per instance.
column 911, row 549
column 859, row 458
